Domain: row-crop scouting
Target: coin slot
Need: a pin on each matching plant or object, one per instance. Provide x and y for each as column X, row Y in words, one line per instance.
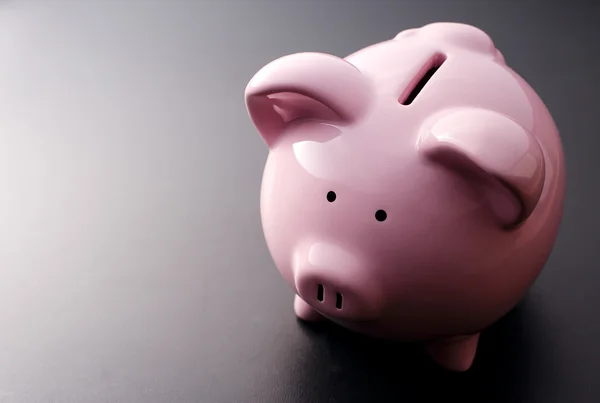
column 425, row 75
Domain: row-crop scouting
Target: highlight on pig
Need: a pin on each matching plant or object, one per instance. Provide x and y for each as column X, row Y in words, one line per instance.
column 413, row 190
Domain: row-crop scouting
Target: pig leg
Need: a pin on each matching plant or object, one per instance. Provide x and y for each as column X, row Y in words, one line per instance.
column 306, row 312
column 456, row 353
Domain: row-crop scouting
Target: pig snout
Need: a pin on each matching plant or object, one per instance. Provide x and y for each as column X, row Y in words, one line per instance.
column 334, row 282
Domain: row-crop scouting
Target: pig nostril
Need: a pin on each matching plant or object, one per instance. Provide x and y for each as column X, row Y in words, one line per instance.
column 338, row 300
column 320, row 292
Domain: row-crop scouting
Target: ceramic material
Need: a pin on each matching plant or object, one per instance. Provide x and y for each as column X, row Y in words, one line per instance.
column 413, row 190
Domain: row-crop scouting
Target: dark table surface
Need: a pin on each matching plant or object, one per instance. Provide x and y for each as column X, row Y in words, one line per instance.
column 133, row 265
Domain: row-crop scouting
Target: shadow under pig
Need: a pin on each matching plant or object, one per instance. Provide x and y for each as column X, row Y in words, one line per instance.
column 340, row 366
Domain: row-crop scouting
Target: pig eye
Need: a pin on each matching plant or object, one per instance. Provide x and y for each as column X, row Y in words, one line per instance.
column 380, row 215
column 331, row 196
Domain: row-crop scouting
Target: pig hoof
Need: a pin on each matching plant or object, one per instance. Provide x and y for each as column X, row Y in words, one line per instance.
column 305, row 311
column 455, row 354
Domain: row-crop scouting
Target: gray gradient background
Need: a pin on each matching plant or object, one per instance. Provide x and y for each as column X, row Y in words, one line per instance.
column 133, row 266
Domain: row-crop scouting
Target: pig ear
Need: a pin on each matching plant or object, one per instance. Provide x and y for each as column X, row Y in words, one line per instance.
column 305, row 86
column 499, row 156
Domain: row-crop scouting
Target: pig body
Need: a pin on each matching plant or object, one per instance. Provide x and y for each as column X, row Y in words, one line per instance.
column 406, row 203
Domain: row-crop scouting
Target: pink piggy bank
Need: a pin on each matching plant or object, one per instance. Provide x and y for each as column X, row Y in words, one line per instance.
column 413, row 190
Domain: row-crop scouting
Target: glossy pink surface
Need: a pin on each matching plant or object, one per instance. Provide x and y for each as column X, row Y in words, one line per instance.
column 470, row 175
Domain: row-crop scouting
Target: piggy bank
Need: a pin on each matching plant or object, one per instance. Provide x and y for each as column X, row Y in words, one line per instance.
column 413, row 191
